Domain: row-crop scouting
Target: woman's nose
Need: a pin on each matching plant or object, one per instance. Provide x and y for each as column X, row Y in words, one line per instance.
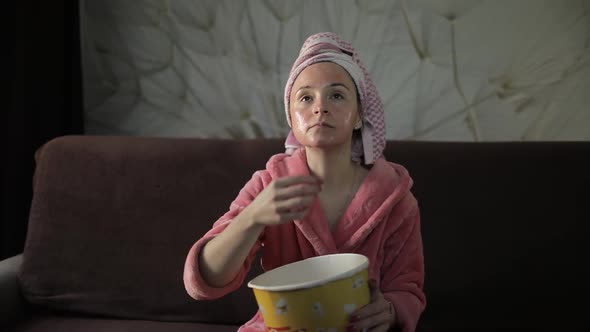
column 320, row 107
column 322, row 110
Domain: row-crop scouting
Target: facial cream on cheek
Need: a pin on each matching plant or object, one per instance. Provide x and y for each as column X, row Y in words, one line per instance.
column 301, row 123
column 348, row 118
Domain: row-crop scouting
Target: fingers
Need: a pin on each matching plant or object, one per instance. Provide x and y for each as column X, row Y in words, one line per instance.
column 295, row 208
column 289, row 198
column 372, row 323
column 295, row 204
column 294, row 196
column 297, row 179
column 297, row 190
column 370, row 310
column 375, row 316
column 290, row 216
column 380, row 328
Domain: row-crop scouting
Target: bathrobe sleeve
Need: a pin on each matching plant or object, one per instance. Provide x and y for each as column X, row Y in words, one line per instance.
column 194, row 283
column 402, row 276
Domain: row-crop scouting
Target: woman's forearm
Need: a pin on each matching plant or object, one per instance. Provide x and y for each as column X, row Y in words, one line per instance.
column 222, row 257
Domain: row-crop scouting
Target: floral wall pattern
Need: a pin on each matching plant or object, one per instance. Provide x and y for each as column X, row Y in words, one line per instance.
column 463, row 70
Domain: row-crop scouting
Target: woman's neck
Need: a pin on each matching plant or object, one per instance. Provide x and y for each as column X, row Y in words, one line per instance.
column 334, row 167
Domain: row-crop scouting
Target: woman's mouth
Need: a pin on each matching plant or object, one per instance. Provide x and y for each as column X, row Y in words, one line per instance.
column 322, row 124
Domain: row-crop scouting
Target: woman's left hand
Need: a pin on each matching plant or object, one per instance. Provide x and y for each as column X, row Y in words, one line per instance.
column 377, row 316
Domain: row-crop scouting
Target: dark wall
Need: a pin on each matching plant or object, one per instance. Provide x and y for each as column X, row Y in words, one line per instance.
column 42, row 50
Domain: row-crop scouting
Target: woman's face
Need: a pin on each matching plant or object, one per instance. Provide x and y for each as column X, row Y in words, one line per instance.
column 323, row 106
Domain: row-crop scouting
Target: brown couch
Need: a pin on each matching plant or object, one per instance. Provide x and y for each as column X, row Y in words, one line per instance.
column 505, row 229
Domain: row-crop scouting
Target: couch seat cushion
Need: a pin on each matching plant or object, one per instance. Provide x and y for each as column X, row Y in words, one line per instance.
column 74, row 324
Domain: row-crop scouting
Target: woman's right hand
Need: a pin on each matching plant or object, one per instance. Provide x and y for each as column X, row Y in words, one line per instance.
column 284, row 200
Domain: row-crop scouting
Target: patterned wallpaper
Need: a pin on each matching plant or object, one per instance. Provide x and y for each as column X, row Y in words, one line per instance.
column 464, row 70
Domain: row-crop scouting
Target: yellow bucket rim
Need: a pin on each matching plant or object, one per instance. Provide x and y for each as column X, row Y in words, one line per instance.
column 255, row 283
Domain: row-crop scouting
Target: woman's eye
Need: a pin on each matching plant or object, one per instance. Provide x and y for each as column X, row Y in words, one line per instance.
column 337, row 96
column 305, row 98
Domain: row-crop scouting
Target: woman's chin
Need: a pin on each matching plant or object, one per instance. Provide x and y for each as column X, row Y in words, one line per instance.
column 323, row 140
column 324, row 144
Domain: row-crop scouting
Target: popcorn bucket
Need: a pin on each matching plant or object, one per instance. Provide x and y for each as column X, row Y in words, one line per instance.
column 314, row 295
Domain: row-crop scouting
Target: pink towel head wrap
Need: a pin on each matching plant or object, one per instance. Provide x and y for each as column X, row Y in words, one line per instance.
column 329, row 47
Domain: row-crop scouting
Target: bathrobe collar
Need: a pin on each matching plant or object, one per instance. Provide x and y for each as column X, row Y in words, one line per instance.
column 383, row 187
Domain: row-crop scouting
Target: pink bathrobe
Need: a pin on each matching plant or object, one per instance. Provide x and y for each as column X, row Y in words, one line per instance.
column 382, row 222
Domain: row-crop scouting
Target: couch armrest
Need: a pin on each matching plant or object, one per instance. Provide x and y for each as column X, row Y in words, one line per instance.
column 12, row 302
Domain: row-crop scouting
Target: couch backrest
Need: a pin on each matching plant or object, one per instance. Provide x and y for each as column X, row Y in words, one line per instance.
column 505, row 228
column 112, row 219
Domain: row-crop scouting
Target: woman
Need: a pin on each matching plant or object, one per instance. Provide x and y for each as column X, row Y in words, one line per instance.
column 331, row 192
